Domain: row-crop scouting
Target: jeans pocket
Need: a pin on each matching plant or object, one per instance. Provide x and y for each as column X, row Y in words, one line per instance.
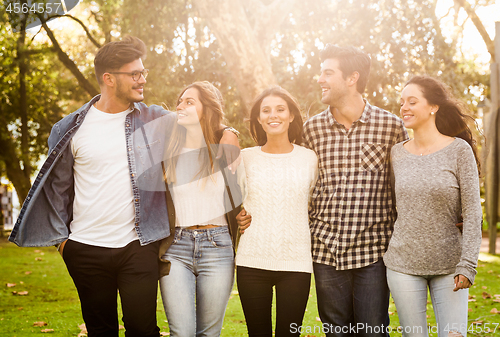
column 222, row 240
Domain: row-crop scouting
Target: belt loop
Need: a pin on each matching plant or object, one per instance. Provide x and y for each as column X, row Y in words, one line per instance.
column 179, row 234
column 209, row 234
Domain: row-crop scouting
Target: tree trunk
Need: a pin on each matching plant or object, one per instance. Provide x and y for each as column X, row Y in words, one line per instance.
column 13, row 169
column 242, row 51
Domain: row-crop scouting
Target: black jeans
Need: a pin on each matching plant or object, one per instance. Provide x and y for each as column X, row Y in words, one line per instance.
column 255, row 287
column 99, row 273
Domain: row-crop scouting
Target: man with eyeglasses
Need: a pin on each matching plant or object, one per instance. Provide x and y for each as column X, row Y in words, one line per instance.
column 86, row 198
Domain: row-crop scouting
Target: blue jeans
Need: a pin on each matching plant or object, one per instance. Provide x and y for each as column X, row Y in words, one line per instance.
column 353, row 302
column 410, row 295
column 196, row 291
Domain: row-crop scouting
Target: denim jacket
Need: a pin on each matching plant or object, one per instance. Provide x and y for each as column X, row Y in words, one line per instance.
column 48, row 209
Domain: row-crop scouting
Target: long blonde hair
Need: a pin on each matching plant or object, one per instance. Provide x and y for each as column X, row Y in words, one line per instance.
column 211, row 120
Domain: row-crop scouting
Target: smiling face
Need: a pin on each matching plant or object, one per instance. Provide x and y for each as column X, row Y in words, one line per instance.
column 334, row 87
column 275, row 117
column 189, row 107
column 415, row 110
column 128, row 90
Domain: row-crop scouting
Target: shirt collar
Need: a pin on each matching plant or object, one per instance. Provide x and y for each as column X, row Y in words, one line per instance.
column 365, row 116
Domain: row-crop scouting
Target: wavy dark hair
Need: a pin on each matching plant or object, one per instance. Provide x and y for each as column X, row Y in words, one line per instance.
column 452, row 118
column 294, row 131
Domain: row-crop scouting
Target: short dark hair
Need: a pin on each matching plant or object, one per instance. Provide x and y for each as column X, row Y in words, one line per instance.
column 115, row 54
column 350, row 59
column 294, row 131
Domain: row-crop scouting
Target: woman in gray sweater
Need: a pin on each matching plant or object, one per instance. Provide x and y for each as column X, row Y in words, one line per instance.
column 436, row 181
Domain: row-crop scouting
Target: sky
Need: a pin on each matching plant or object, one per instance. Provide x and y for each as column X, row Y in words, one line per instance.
column 473, row 42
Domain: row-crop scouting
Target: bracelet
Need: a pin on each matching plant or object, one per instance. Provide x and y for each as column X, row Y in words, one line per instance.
column 233, row 130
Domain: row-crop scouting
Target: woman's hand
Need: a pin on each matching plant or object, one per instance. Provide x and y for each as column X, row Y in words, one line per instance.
column 244, row 220
column 461, row 282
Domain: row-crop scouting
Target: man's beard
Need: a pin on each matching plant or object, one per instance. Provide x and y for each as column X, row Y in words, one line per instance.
column 123, row 93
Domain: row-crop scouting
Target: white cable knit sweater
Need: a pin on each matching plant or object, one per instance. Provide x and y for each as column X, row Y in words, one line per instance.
column 276, row 190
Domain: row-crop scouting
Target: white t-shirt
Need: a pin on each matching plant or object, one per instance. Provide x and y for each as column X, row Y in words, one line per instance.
column 197, row 201
column 103, row 209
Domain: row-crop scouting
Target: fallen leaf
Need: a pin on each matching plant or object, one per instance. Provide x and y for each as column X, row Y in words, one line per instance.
column 21, row 282
column 470, row 310
column 10, row 285
column 28, row 272
column 20, row 308
column 495, row 311
column 482, row 265
column 486, row 295
column 484, row 287
column 41, row 323
column 164, row 333
column 37, row 251
column 121, row 327
column 497, row 295
column 318, row 319
column 83, row 331
column 497, row 300
column 490, row 271
column 428, row 316
column 38, row 259
column 472, row 300
column 47, row 330
column 472, row 296
column 21, row 293
column 391, row 313
column 477, row 322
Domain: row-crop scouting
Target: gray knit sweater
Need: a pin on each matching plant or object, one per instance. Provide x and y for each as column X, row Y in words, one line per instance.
column 432, row 192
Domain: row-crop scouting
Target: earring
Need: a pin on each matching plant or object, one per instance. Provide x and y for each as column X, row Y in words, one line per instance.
column 433, row 112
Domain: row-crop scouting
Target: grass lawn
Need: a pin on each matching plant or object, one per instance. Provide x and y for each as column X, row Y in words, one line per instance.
column 35, row 288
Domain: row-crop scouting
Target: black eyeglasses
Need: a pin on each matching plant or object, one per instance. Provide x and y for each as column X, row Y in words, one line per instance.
column 136, row 75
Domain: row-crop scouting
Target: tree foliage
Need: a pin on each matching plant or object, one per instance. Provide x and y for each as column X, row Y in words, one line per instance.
column 240, row 46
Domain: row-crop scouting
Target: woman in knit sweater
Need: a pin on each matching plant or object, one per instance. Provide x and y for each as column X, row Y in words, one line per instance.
column 436, row 182
column 275, row 251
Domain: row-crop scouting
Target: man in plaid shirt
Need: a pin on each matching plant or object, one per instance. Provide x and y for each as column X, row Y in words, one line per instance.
column 352, row 212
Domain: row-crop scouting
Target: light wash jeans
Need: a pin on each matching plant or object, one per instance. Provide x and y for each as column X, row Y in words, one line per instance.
column 410, row 295
column 196, row 291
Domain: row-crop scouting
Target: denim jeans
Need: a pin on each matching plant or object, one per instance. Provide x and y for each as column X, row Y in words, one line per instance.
column 353, row 302
column 410, row 295
column 196, row 291
column 256, row 294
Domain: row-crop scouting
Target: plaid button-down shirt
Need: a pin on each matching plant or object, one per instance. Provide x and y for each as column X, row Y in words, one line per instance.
column 352, row 212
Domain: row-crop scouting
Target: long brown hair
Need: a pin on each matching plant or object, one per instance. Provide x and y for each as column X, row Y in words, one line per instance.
column 211, row 120
column 452, row 117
